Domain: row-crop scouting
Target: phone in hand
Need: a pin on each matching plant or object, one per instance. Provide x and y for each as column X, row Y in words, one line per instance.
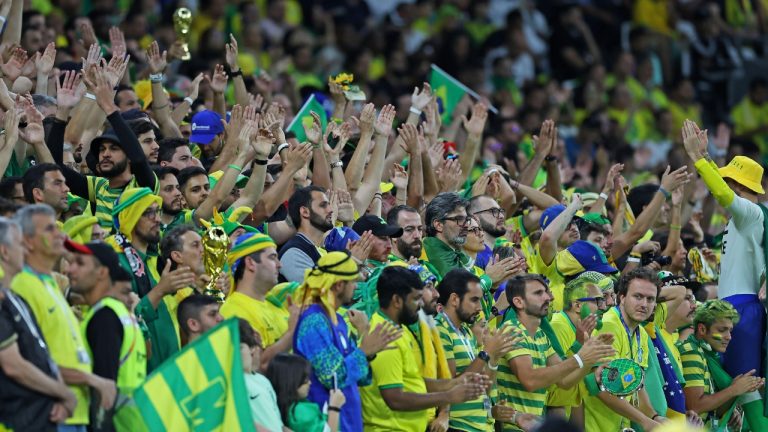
column 335, row 381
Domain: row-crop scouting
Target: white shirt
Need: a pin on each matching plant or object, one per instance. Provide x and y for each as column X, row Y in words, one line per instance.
column 742, row 261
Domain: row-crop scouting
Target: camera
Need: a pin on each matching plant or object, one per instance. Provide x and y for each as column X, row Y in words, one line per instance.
column 662, row 260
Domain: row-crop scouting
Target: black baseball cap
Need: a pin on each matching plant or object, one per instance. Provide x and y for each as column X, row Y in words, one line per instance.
column 377, row 226
column 106, row 256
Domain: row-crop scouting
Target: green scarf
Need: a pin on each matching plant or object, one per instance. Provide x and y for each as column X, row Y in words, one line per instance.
column 511, row 316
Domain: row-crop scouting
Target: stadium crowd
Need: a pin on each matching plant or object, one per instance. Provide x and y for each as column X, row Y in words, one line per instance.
column 399, row 215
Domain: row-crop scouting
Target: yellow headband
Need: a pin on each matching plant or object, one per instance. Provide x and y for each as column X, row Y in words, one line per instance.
column 331, row 268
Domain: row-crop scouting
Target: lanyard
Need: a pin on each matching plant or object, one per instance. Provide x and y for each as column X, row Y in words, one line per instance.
column 629, row 337
column 24, row 312
column 464, row 340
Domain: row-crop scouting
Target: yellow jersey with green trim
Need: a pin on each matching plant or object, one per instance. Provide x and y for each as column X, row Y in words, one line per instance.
column 393, row 368
column 269, row 320
column 511, row 390
column 598, row 416
column 565, row 332
column 556, row 279
column 60, row 329
column 695, row 368
column 104, row 197
column 460, row 346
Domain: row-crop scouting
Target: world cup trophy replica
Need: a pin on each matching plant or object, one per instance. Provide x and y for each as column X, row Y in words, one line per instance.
column 182, row 21
column 215, row 248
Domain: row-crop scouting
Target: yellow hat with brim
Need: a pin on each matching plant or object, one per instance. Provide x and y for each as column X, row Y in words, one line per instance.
column 80, row 228
column 745, row 172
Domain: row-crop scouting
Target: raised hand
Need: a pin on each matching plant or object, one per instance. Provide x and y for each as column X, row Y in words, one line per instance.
column 156, row 61
column 399, row 177
column 34, row 133
column 610, row 178
column 219, row 80
column 500, row 270
column 96, row 80
column 194, row 88
column 117, row 42
column 93, row 57
column 503, row 341
column 410, row 137
column 89, row 35
column 67, row 95
column 543, row 142
column 421, row 98
column 11, row 127
column 172, row 281
column 231, row 52
column 116, row 68
column 383, row 124
column 44, row 62
column 359, row 321
column 694, row 140
column 345, row 208
column 263, row 143
column 449, row 175
column 476, row 124
column 377, row 340
column 337, row 93
column 360, row 249
column 672, row 180
column 315, row 130
column 13, row 67
column 342, row 132
column 436, row 153
column 274, row 121
column 585, row 328
column 298, row 157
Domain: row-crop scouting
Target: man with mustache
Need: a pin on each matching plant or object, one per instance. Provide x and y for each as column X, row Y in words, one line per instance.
column 705, row 388
column 399, row 398
column 490, row 215
column 45, row 184
column 312, row 215
column 446, row 226
column 383, row 234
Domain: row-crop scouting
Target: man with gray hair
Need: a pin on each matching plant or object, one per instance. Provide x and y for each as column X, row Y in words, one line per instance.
column 32, row 394
column 43, row 243
column 446, row 226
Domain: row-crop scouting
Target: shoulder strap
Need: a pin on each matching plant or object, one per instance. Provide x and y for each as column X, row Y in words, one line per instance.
column 765, row 237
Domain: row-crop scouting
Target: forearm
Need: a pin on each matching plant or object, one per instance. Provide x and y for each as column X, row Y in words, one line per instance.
column 573, row 378
column 219, row 104
column 178, row 114
column 535, row 196
column 673, row 241
column 469, row 155
column 371, row 179
column 28, row 375
column 227, row 154
column 12, row 33
column 403, row 401
column 271, row 199
column 706, row 403
column 241, row 93
column 254, row 189
column 78, row 377
column 541, row 378
column 554, row 186
column 87, row 116
column 548, row 241
column 321, row 175
column 337, row 175
column 221, row 190
column 415, row 189
column 354, row 172
column 42, row 84
column 439, row 385
column 282, row 345
column 42, row 154
column 622, row 407
column 714, row 181
column 529, row 172
column 5, row 155
column 161, row 108
column 430, row 180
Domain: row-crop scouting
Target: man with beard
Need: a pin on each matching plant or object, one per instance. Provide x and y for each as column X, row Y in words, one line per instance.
column 255, row 268
column 637, row 293
column 197, row 314
column 45, row 184
column 460, row 295
column 312, row 215
column 137, row 220
column 399, row 398
column 107, row 158
column 145, row 133
column 491, row 218
column 528, row 371
column 446, row 221
column 112, row 334
column 558, row 232
column 383, row 233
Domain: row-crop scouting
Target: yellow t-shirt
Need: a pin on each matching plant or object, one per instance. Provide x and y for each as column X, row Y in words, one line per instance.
column 566, row 336
column 598, row 416
column 393, row 368
column 60, row 329
column 269, row 320
column 556, row 279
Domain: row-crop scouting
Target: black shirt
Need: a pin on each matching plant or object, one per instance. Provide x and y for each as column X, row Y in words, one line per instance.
column 105, row 337
column 21, row 408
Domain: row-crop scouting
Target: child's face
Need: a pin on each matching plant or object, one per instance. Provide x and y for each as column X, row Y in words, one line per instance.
column 246, row 356
column 304, row 390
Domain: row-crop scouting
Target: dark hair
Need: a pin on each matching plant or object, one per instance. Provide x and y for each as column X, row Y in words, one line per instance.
column 161, row 172
column 587, row 228
column 504, row 252
column 439, row 208
column 287, row 372
column 8, row 186
column 641, row 196
column 395, row 211
column 168, row 148
column 189, row 172
column 140, row 126
column 757, row 83
column 190, row 308
column 8, row 206
column 240, row 270
column 301, row 198
column 248, row 335
column 641, row 273
column 474, row 202
column 120, row 88
column 172, row 242
column 34, row 178
column 516, row 286
column 455, row 281
column 396, row 281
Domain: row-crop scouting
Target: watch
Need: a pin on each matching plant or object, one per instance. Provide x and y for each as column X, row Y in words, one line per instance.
column 484, row 356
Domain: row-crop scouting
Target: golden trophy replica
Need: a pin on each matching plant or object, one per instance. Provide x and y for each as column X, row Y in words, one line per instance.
column 215, row 248
column 182, row 20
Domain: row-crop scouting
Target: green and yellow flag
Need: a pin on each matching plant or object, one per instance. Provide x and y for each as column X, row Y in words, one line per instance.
column 201, row 388
column 304, row 118
column 448, row 90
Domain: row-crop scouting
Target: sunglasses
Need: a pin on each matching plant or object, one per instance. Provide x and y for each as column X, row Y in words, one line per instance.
column 598, row 300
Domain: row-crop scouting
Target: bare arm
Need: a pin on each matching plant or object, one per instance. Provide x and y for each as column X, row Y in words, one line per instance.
column 625, row 409
column 12, row 33
column 296, row 159
column 26, row 374
column 354, row 171
column 474, row 127
column 372, row 178
column 556, row 228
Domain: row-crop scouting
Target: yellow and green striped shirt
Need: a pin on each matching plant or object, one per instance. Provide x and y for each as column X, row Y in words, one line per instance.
column 510, row 387
column 462, row 348
column 695, row 368
column 104, row 196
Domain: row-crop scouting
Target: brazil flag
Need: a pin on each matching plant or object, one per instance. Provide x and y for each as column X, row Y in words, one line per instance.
column 304, row 118
column 201, row 388
column 448, row 90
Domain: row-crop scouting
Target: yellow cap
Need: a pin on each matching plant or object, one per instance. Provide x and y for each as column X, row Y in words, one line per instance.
column 745, row 172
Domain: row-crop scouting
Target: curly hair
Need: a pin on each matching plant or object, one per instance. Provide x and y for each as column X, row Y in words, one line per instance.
column 713, row 310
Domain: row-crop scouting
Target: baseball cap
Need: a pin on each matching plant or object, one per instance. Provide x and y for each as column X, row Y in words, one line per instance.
column 595, row 218
column 106, row 256
column 92, row 158
column 377, row 226
column 205, row 126
column 670, row 279
column 583, row 256
column 338, row 238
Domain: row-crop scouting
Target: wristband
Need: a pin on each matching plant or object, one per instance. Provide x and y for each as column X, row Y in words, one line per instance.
column 90, row 96
column 604, row 196
column 515, row 185
column 414, row 110
column 633, row 260
column 654, row 416
column 550, row 158
column 635, row 254
column 235, row 167
column 493, row 367
column 370, row 358
column 513, row 420
column 665, row 192
column 579, row 361
column 156, row 78
column 337, row 120
column 282, row 147
column 260, row 161
column 337, row 164
column 233, row 74
column 675, row 227
column 189, row 100
column 333, row 408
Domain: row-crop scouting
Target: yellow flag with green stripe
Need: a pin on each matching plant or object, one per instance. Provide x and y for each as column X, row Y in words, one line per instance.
column 448, row 91
column 201, row 388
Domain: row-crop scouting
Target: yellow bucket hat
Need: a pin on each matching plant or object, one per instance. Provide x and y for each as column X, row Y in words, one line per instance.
column 745, row 172
column 80, row 228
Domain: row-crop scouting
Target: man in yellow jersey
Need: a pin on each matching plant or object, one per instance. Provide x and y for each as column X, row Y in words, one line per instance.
column 399, row 397
column 637, row 293
column 44, row 400
column 111, row 332
column 137, row 220
column 526, row 372
column 255, row 266
column 460, row 295
column 197, row 314
column 44, row 245
column 559, row 231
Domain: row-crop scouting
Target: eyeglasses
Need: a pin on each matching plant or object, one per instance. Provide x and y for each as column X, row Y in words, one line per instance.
column 495, row 211
column 598, row 300
column 152, row 213
column 460, row 220
column 475, row 230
